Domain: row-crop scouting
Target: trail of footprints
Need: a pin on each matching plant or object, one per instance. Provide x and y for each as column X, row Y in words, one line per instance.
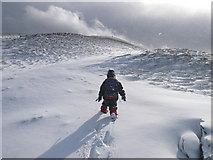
column 100, row 145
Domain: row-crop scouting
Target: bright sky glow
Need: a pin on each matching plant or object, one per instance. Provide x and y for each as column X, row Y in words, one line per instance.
column 193, row 5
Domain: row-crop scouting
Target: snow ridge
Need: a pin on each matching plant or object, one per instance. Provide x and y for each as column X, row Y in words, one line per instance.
column 42, row 49
column 178, row 69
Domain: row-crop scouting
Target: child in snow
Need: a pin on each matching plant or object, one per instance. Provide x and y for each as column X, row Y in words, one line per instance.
column 109, row 91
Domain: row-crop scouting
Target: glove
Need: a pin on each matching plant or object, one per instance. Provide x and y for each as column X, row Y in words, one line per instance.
column 99, row 99
column 124, row 98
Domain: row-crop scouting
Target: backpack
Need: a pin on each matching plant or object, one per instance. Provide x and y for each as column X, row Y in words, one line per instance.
column 111, row 89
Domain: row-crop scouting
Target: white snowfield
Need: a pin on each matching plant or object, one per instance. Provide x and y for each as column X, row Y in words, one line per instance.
column 49, row 109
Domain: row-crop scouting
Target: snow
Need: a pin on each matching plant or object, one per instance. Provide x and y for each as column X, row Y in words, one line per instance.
column 49, row 108
column 206, row 138
column 190, row 145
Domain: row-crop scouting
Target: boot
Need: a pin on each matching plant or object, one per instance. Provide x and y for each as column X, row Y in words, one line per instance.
column 113, row 110
column 104, row 109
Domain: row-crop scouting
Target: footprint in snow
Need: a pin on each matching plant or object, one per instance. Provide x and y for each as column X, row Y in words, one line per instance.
column 108, row 138
column 91, row 91
column 5, row 89
column 32, row 120
column 69, row 78
column 69, row 91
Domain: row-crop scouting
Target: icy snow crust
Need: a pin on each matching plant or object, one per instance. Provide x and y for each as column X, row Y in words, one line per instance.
column 178, row 69
column 51, row 81
column 27, row 50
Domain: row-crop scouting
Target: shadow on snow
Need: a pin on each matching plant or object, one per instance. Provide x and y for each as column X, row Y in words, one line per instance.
column 77, row 139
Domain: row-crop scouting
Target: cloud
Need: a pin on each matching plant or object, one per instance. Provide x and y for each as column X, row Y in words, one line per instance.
column 57, row 19
column 180, row 25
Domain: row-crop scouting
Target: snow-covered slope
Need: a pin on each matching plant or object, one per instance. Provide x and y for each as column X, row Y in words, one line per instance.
column 51, row 81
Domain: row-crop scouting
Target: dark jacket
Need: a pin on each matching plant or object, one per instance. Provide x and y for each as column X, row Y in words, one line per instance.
column 119, row 89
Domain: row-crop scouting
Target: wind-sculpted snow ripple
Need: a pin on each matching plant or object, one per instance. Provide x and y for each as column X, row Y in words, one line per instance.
column 178, row 69
column 27, row 50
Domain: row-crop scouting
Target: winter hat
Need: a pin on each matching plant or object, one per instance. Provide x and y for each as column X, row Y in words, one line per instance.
column 111, row 73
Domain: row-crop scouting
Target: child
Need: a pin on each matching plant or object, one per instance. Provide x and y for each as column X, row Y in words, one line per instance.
column 109, row 91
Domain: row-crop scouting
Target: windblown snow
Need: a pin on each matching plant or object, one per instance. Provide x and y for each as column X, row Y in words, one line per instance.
column 50, row 83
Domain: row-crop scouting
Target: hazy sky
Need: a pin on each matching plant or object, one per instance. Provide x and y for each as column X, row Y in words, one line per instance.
column 153, row 23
